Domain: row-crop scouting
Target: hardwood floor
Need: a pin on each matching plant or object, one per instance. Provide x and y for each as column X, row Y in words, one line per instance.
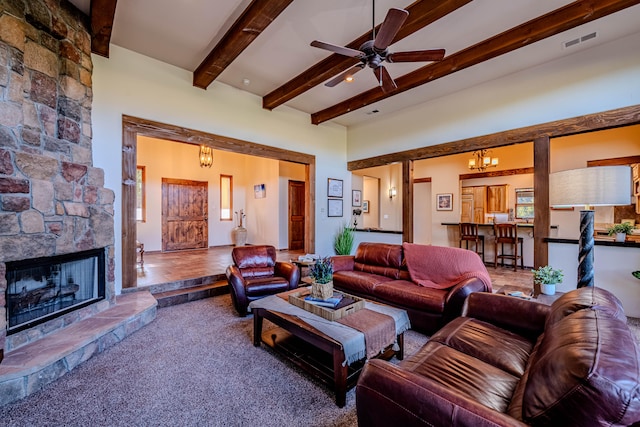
column 167, row 267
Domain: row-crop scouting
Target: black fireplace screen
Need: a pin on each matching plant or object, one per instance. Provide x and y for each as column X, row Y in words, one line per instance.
column 43, row 288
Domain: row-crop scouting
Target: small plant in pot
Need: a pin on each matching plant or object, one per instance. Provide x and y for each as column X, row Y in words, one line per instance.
column 547, row 277
column 322, row 274
column 620, row 231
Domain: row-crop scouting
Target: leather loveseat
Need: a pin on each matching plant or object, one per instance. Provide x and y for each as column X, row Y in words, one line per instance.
column 379, row 272
column 512, row 362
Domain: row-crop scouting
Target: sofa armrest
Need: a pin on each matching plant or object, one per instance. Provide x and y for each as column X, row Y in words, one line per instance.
column 387, row 395
column 289, row 271
column 457, row 296
column 518, row 315
column 343, row 262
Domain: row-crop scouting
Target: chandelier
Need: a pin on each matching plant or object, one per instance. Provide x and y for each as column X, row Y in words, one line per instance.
column 481, row 161
column 206, row 156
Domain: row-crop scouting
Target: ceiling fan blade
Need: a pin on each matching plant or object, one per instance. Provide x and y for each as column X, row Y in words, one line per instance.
column 417, row 56
column 342, row 77
column 385, row 80
column 389, row 28
column 337, row 49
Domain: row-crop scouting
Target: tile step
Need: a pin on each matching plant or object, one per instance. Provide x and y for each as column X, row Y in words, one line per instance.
column 193, row 293
column 29, row 368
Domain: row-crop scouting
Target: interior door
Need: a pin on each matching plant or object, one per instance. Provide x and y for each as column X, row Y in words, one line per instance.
column 296, row 215
column 185, row 208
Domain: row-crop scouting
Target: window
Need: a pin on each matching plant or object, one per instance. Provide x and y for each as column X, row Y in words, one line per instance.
column 524, row 203
column 226, row 197
column 141, row 212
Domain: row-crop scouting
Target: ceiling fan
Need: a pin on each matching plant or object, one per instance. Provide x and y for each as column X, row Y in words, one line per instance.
column 374, row 52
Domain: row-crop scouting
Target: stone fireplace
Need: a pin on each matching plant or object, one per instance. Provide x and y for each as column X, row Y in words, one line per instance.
column 53, row 202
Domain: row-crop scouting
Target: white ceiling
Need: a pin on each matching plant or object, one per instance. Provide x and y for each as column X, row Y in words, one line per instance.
column 183, row 32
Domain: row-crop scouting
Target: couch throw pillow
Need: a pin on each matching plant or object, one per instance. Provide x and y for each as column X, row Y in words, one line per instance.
column 443, row 267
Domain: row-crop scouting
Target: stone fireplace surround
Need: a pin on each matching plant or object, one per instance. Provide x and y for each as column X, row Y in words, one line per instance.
column 52, row 200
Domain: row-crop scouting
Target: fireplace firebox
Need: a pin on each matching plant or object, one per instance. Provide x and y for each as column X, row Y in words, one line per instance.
column 44, row 288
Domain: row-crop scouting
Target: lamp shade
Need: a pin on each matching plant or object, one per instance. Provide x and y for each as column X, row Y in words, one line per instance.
column 596, row 186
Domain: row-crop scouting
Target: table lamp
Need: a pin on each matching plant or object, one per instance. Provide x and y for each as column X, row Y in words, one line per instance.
column 595, row 186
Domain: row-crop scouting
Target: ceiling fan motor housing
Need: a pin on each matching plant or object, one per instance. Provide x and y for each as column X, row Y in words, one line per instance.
column 372, row 56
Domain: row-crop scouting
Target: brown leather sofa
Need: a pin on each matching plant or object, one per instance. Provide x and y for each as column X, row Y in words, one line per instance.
column 378, row 272
column 255, row 274
column 512, row 362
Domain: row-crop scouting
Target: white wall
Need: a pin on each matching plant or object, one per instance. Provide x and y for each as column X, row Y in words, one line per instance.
column 598, row 79
column 132, row 84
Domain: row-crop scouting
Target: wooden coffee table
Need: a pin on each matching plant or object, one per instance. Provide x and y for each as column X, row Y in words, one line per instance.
column 313, row 351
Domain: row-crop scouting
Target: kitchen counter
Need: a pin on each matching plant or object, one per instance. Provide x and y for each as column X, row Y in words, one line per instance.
column 489, row 224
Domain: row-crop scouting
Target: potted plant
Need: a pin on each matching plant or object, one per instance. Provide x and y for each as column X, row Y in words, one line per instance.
column 620, row 231
column 344, row 241
column 322, row 274
column 547, row 277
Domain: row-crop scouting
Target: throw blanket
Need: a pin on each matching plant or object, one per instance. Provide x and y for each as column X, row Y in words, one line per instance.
column 352, row 340
column 442, row 267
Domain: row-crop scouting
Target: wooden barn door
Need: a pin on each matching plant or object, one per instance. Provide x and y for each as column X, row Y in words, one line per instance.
column 185, row 208
column 296, row 215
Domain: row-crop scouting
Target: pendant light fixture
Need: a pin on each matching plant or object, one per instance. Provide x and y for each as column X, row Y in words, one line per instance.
column 206, row 156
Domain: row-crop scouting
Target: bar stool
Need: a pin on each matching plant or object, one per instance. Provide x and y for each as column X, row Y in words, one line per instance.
column 508, row 233
column 469, row 233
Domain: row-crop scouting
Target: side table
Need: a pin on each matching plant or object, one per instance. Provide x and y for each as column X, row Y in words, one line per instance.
column 530, row 294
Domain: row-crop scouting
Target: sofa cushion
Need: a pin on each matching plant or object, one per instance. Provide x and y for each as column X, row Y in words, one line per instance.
column 588, row 359
column 408, row 294
column 265, row 286
column 468, row 376
column 582, row 298
column 357, row 281
column 379, row 258
column 496, row 346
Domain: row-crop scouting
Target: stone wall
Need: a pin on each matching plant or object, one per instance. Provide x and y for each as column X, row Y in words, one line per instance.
column 52, row 199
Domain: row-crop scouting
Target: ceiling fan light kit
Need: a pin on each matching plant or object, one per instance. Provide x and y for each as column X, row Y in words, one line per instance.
column 373, row 53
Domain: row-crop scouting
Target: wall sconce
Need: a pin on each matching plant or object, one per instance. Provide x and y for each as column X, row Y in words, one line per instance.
column 206, row 156
column 392, row 192
column 481, row 161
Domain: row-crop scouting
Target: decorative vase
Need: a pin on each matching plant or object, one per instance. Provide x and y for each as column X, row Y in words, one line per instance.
column 621, row 237
column 322, row 290
column 239, row 236
column 548, row 288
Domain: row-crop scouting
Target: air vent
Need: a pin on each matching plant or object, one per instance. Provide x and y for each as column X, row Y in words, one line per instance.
column 577, row 41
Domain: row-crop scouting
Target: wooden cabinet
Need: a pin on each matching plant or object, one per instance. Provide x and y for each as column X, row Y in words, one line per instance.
column 497, row 198
column 473, row 204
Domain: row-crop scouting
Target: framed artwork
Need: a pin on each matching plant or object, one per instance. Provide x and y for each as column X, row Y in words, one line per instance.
column 444, row 202
column 365, row 206
column 356, row 198
column 259, row 191
column 334, row 188
column 335, row 207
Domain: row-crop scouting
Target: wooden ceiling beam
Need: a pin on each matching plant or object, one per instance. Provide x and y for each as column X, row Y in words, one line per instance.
column 552, row 23
column 421, row 14
column 255, row 18
column 102, row 14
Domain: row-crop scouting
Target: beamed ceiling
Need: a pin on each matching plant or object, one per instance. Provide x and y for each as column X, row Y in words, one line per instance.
column 263, row 46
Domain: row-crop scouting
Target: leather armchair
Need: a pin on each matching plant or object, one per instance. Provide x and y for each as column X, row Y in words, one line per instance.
column 255, row 274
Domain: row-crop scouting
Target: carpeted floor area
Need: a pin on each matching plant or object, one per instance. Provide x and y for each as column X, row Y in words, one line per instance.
column 194, row 365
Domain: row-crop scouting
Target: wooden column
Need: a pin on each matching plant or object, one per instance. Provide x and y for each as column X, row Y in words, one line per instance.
column 542, row 220
column 407, row 201
column 129, row 232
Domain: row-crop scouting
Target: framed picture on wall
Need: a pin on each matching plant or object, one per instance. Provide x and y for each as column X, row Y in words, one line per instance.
column 335, row 207
column 444, row 202
column 365, row 206
column 334, row 188
column 356, row 198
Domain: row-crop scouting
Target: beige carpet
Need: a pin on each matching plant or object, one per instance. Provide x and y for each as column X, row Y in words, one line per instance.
column 195, row 365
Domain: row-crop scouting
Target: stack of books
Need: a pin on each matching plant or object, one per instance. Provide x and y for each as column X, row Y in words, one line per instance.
column 329, row 302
